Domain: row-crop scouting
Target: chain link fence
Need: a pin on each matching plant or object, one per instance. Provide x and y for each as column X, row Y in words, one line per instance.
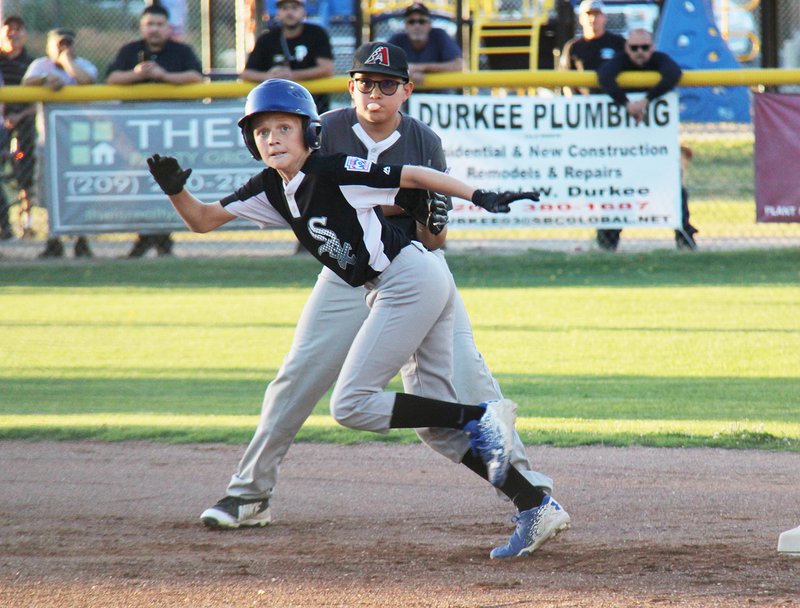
column 720, row 181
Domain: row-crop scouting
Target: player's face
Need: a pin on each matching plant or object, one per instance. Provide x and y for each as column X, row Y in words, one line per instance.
column 639, row 48
column 375, row 106
column 155, row 30
column 280, row 139
column 593, row 23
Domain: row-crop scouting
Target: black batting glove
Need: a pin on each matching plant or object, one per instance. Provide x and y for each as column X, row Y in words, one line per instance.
column 168, row 173
column 499, row 202
column 437, row 213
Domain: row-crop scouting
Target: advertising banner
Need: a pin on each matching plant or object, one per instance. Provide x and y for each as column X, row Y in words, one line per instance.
column 95, row 170
column 777, row 152
column 592, row 164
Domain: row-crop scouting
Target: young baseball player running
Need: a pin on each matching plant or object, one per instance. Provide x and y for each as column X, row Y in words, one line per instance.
column 376, row 130
column 360, row 402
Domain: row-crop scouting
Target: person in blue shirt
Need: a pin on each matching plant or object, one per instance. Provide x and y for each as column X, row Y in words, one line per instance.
column 429, row 49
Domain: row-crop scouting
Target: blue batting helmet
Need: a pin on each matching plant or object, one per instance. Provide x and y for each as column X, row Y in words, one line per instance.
column 279, row 95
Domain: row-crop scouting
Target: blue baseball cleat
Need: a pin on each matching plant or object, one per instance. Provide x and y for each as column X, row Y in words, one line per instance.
column 492, row 438
column 534, row 528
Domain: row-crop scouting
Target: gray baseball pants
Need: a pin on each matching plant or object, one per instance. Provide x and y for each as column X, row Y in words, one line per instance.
column 328, row 326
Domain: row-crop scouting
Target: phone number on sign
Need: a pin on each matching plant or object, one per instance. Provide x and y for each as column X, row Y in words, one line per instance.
column 566, row 207
column 87, row 186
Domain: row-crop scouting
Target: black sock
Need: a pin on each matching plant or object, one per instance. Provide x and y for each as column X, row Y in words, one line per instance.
column 413, row 412
column 516, row 487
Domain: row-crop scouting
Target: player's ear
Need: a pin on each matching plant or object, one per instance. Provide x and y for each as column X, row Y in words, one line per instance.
column 408, row 88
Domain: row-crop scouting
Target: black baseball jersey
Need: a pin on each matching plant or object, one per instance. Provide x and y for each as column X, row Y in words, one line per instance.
column 413, row 143
column 332, row 207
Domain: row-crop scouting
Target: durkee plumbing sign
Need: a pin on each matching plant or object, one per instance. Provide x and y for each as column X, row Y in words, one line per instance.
column 592, row 164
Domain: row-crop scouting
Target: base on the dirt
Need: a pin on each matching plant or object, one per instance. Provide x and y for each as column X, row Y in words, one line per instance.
column 789, row 542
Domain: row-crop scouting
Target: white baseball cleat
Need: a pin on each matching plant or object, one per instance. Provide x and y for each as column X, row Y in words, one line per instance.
column 233, row 512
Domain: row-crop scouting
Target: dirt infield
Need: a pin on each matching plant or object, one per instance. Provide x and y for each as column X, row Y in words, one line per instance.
column 92, row 524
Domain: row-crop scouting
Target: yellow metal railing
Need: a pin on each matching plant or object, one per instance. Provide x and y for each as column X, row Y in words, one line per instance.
column 492, row 79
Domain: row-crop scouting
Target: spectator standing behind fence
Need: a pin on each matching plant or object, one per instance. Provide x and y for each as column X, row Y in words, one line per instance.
column 588, row 52
column 293, row 50
column 6, row 232
column 154, row 58
column 429, row 49
column 59, row 68
column 684, row 238
column 640, row 55
column 19, row 118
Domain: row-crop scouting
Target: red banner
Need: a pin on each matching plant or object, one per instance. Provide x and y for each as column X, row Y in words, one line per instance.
column 777, row 157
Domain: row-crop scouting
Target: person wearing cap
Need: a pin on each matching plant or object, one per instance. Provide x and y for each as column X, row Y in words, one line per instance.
column 588, row 52
column 293, row 50
column 429, row 49
column 156, row 57
column 60, row 67
column 595, row 46
column 640, row 56
column 374, row 129
column 19, row 120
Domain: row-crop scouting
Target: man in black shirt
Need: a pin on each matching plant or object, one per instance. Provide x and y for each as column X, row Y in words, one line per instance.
column 154, row 58
column 640, row 55
column 19, row 120
column 295, row 50
column 589, row 52
column 596, row 46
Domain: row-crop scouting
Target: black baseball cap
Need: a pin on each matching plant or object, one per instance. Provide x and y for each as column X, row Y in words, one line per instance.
column 380, row 58
column 417, row 7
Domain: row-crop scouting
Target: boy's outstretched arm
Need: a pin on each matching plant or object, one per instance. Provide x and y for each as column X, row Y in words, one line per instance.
column 497, row 202
column 198, row 216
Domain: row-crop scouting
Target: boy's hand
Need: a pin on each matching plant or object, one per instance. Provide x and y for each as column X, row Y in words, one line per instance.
column 498, row 202
column 168, row 173
column 437, row 213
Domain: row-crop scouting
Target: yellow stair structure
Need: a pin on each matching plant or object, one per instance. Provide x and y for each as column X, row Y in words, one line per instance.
column 507, row 36
column 505, row 32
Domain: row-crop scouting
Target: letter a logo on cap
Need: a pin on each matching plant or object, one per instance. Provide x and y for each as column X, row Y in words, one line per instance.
column 379, row 56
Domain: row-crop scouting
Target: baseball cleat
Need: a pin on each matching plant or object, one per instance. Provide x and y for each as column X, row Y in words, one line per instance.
column 492, row 438
column 534, row 528
column 233, row 512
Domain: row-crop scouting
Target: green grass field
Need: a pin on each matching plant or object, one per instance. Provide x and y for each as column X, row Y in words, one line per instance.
column 663, row 348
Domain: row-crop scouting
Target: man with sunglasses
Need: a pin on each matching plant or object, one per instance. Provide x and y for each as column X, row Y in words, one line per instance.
column 640, row 56
column 429, row 49
column 589, row 52
column 376, row 130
